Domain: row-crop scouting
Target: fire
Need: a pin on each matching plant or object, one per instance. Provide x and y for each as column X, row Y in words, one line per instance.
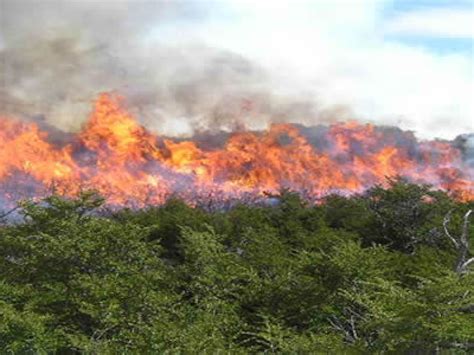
column 130, row 166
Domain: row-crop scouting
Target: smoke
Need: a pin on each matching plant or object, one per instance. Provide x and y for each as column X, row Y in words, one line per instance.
column 194, row 65
column 57, row 55
column 465, row 143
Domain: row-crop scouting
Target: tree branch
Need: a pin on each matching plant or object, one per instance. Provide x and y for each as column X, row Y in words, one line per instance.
column 461, row 243
column 467, row 263
column 446, row 220
column 465, row 227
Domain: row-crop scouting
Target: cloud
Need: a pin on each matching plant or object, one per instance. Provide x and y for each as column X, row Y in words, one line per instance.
column 436, row 22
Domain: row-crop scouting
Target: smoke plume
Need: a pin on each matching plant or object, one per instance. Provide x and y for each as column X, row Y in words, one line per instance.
column 58, row 55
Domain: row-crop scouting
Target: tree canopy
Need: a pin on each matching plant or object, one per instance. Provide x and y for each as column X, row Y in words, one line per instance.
column 374, row 273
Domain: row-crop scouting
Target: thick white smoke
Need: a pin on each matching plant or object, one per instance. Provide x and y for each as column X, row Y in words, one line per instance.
column 186, row 65
column 57, row 55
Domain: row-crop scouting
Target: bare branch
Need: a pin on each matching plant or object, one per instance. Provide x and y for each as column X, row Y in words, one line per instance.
column 461, row 243
column 353, row 328
column 446, row 221
column 467, row 263
column 465, row 227
column 337, row 325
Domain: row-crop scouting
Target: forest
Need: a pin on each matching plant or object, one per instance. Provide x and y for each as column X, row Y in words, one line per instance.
column 387, row 271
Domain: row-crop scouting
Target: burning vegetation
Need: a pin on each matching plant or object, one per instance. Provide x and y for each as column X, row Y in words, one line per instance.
column 130, row 166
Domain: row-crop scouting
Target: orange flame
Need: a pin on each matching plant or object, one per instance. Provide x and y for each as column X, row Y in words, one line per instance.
column 119, row 158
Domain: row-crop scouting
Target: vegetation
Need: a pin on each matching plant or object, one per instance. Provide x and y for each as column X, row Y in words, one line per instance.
column 376, row 273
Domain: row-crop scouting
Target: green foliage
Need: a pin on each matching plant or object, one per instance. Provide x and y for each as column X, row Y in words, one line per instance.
column 363, row 274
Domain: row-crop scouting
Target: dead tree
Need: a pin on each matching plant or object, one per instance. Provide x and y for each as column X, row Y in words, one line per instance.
column 461, row 243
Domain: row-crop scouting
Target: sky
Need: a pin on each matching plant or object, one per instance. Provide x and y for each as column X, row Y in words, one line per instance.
column 182, row 62
column 406, row 63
